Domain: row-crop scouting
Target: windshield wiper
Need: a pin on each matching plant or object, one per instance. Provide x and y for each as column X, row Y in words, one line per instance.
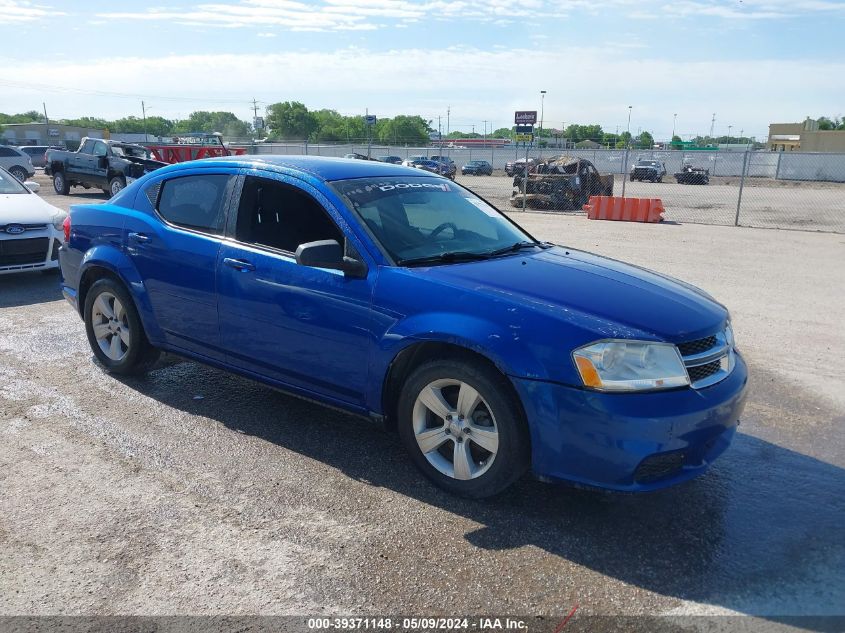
column 444, row 258
column 513, row 248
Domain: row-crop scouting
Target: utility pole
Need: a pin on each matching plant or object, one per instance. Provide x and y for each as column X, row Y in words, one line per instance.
column 712, row 125
column 674, row 121
column 627, row 151
column 254, row 108
column 46, row 118
column 144, row 114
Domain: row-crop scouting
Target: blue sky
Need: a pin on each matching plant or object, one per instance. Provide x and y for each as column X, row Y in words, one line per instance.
column 751, row 62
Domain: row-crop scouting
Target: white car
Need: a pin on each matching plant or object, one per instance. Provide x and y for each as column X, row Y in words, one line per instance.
column 31, row 230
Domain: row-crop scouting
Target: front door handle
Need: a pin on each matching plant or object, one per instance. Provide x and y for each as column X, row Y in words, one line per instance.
column 239, row 264
column 139, row 237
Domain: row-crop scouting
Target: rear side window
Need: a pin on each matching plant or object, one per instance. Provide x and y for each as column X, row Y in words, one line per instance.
column 195, row 202
column 7, row 151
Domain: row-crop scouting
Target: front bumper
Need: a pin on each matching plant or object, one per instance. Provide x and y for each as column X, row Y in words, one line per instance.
column 33, row 250
column 630, row 442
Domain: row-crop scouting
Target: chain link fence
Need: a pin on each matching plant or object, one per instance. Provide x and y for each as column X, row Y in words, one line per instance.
column 804, row 191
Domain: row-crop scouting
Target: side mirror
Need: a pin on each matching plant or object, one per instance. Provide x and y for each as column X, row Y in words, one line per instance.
column 33, row 186
column 329, row 254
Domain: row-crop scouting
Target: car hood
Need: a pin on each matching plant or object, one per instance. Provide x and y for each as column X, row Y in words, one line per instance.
column 22, row 208
column 561, row 280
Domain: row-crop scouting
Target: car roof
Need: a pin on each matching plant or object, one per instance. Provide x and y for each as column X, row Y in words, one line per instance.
column 323, row 167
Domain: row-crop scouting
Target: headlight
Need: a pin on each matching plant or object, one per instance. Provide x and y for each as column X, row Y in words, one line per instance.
column 57, row 221
column 630, row 366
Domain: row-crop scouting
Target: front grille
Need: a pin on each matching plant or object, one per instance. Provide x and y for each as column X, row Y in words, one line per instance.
column 697, row 347
column 707, row 360
column 26, row 227
column 27, row 251
column 703, row 371
column 658, row 466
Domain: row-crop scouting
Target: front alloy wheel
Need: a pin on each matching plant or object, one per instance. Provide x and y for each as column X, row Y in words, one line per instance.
column 463, row 426
column 455, row 429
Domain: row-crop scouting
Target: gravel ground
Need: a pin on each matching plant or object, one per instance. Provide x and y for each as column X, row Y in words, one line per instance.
column 192, row 491
column 764, row 204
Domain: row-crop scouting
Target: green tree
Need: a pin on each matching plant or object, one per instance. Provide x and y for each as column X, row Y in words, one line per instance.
column 23, row 117
column 502, row 132
column 155, row 126
column 404, row 129
column 291, row 120
column 203, row 121
column 331, row 126
column 646, row 140
column 90, row 122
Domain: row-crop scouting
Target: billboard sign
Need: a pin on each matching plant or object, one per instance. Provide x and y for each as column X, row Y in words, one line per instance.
column 525, row 117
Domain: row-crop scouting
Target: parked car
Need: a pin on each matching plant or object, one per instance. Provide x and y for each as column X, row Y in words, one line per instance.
column 449, row 168
column 104, row 164
column 393, row 160
column 400, row 295
column 38, row 153
column 652, row 170
column 30, row 229
column 477, row 168
column 16, row 162
column 356, row 156
column 435, row 167
column 690, row 175
column 514, row 167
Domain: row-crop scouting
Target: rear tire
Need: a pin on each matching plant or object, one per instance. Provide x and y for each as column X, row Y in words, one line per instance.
column 116, row 185
column 463, row 427
column 114, row 329
column 60, row 183
column 19, row 173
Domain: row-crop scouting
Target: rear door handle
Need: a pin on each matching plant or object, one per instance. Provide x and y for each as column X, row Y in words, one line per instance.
column 139, row 237
column 239, row 264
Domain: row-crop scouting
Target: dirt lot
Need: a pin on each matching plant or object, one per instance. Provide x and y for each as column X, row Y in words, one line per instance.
column 191, row 491
column 769, row 204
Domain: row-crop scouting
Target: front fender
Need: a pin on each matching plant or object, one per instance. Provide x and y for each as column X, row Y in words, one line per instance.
column 112, row 259
column 498, row 343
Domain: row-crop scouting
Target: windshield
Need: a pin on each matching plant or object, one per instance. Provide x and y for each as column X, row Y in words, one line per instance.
column 128, row 150
column 423, row 217
column 10, row 184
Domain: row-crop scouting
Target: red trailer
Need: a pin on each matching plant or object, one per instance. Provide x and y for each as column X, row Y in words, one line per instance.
column 192, row 146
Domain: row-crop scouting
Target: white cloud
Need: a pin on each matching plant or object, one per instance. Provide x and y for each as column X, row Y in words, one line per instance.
column 23, row 11
column 480, row 87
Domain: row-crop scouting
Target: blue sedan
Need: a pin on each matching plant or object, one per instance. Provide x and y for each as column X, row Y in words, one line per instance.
column 399, row 295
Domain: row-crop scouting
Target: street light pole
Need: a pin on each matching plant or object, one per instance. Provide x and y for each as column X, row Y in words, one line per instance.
column 627, row 150
column 542, row 104
column 674, row 121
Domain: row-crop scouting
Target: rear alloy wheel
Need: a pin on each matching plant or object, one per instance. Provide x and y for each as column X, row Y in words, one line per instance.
column 114, row 329
column 463, row 428
column 116, row 185
column 19, row 173
column 60, row 184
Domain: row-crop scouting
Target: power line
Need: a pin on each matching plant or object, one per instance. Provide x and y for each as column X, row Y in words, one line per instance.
column 106, row 93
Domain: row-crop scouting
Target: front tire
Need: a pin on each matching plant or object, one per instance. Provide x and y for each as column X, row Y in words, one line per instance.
column 463, row 427
column 60, row 183
column 114, row 329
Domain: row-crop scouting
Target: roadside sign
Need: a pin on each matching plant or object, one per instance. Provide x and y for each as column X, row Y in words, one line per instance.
column 525, row 117
column 524, row 129
column 523, row 138
column 258, row 123
column 370, row 119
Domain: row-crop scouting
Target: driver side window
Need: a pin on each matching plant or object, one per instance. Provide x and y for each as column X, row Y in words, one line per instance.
column 279, row 216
